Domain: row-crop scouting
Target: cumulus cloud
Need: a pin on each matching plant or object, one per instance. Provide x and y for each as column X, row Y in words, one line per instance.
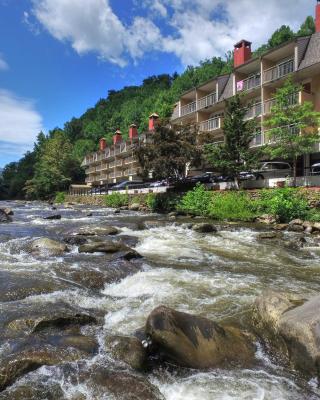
column 20, row 121
column 198, row 29
column 3, row 64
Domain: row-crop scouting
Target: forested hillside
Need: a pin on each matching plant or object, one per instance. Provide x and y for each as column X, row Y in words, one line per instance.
column 55, row 161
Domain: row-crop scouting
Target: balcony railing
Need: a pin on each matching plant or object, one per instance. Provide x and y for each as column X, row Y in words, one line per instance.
column 207, row 101
column 189, row 108
column 293, row 99
column 103, row 177
column 251, row 82
column 118, row 174
column 254, row 111
column 278, row 71
column 210, row 125
column 119, row 163
column 91, row 170
column 112, row 164
column 112, row 175
column 258, row 140
column 265, row 138
column 129, row 160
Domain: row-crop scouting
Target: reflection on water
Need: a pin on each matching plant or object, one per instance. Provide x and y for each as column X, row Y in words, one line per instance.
column 216, row 275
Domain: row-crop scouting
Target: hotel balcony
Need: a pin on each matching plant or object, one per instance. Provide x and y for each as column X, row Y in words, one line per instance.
column 254, row 111
column 129, row 160
column 118, row 174
column 252, row 82
column 268, row 104
column 189, row 108
column 265, row 138
column 118, row 163
column 207, row 101
column 90, row 179
column 278, row 71
column 210, row 125
column 112, row 175
column 112, row 164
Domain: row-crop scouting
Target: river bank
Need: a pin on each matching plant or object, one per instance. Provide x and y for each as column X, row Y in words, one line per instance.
column 95, row 296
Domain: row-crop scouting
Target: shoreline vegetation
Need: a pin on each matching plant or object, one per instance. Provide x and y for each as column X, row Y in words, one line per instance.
column 280, row 205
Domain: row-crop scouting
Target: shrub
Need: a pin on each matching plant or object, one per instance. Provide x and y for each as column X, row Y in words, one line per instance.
column 115, row 200
column 162, row 202
column 196, row 201
column 286, row 204
column 235, row 206
column 60, row 197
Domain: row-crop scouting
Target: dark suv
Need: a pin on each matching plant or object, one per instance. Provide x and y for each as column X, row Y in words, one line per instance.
column 128, row 185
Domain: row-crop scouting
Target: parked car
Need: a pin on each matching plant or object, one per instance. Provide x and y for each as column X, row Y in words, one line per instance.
column 128, row 185
column 246, row 176
column 315, row 169
column 159, row 183
column 203, row 178
column 273, row 169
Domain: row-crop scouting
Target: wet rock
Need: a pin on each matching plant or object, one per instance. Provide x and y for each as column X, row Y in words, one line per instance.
column 266, row 219
column 124, row 208
column 128, row 240
column 27, row 355
column 19, row 285
column 46, row 246
column 295, row 228
column 86, row 277
column 74, row 240
column 123, row 385
column 4, row 217
column 89, row 214
column 53, row 217
column 33, row 391
column 267, row 235
column 204, row 228
column 296, row 222
column 295, row 243
column 21, row 318
column 103, row 247
column 134, row 207
column 127, row 349
column 308, row 229
column 141, row 226
column 196, row 342
column 94, row 231
column 117, row 211
column 281, row 227
column 316, row 226
column 295, row 323
column 8, row 211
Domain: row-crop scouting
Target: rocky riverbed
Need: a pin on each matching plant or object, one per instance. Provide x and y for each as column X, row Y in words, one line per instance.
column 97, row 305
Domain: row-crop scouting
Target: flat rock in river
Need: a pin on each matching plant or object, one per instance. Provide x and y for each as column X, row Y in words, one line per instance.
column 4, row 217
column 46, row 246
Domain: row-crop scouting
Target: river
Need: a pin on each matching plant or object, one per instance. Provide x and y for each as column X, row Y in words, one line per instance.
column 215, row 275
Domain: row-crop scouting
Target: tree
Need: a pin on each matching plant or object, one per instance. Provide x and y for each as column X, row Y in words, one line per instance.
column 280, row 36
column 169, row 153
column 307, row 28
column 293, row 127
column 55, row 168
column 234, row 155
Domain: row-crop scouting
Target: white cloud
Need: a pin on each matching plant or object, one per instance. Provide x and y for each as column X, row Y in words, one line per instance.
column 20, row 121
column 199, row 29
column 3, row 64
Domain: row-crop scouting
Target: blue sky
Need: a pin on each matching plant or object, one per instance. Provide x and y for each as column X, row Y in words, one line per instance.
column 58, row 57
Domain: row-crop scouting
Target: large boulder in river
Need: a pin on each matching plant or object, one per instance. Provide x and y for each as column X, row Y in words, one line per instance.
column 27, row 355
column 19, row 285
column 204, row 228
column 4, row 217
column 33, row 391
column 196, row 342
column 22, row 318
column 109, row 247
column 294, row 324
column 53, row 217
column 46, row 246
column 127, row 349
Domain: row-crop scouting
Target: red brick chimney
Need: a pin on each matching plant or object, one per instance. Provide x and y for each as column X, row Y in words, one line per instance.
column 242, row 52
column 102, row 144
column 318, row 16
column 133, row 132
column 117, row 137
column 153, row 121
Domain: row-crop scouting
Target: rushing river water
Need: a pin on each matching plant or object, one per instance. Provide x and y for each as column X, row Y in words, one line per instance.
column 215, row 275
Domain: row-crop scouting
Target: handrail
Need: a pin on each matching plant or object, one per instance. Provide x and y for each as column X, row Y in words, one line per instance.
column 210, row 125
column 207, row 101
column 278, row 71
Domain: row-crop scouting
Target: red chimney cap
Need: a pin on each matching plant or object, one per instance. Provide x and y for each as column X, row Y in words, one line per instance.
column 118, row 132
column 103, row 138
column 154, row 115
column 245, row 42
column 134, row 125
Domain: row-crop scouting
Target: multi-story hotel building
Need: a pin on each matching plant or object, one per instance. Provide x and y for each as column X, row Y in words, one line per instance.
column 111, row 164
column 257, row 78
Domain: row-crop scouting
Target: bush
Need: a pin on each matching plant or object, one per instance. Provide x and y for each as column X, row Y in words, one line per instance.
column 286, row 204
column 236, row 206
column 162, row 202
column 116, row 200
column 196, row 201
column 60, row 197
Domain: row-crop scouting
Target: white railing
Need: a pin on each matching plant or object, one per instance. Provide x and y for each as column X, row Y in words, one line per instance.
column 210, row 125
column 254, row 111
column 112, row 164
column 293, row 99
column 118, row 174
column 258, row 140
column 176, row 113
column 129, row 160
column 278, row 71
column 119, row 163
column 251, row 82
column 189, row 108
column 207, row 101
column 112, row 175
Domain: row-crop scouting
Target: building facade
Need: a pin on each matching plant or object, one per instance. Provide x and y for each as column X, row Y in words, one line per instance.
column 257, row 79
column 116, row 163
